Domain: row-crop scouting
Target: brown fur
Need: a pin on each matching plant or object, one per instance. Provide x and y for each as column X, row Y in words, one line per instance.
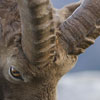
column 40, row 75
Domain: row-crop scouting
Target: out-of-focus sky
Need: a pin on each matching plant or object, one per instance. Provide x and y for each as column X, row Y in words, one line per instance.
column 83, row 85
column 90, row 60
column 61, row 3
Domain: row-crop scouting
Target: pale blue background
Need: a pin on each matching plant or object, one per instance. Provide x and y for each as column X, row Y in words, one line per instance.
column 85, row 84
column 90, row 60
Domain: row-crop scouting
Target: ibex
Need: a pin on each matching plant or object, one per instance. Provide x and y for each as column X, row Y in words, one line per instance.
column 39, row 44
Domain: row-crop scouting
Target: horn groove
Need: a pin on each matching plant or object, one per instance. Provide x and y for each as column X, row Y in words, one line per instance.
column 38, row 31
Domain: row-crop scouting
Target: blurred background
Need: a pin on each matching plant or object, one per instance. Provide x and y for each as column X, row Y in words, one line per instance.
column 83, row 81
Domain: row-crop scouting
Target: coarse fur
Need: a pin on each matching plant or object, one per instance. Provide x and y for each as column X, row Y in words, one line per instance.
column 35, row 41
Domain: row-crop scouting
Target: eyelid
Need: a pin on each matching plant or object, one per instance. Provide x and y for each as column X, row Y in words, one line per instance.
column 15, row 74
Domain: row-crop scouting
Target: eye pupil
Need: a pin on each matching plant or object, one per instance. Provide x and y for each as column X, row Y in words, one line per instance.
column 16, row 74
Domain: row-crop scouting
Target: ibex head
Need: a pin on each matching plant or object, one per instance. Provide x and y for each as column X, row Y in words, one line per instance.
column 39, row 44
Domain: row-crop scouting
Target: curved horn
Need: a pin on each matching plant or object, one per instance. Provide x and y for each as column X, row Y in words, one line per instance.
column 61, row 15
column 38, row 35
column 81, row 29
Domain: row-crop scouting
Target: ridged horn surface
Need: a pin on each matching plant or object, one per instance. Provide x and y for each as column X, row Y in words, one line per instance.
column 38, row 34
column 80, row 30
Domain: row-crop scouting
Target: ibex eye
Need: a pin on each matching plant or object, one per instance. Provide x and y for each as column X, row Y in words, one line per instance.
column 15, row 74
